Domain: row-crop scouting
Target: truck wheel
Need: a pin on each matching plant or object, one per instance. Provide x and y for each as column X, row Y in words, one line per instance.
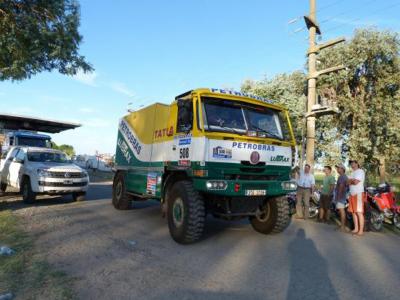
column 3, row 187
column 28, row 196
column 274, row 217
column 77, row 197
column 120, row 199
column 186, row 213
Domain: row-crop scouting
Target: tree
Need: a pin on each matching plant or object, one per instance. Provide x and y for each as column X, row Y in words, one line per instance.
column 67, row 149
column 368, row 95
column 37, row 35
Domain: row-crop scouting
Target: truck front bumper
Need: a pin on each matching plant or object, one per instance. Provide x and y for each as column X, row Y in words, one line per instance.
column 60, row 186
column 243, row 188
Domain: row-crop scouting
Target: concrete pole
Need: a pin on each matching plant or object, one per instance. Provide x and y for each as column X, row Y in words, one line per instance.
column 311, row 89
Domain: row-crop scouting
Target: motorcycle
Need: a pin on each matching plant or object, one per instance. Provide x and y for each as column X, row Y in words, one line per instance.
column 314, row 204
column 381, row 207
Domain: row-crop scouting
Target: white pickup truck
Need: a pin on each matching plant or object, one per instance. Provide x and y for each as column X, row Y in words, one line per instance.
column 35, row 170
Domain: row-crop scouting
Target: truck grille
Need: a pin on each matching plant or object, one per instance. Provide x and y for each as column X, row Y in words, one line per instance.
column 66, row 174
column 61, row 184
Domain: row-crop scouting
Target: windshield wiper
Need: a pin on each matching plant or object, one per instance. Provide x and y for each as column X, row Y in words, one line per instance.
column 270, row 134
column 229, row 128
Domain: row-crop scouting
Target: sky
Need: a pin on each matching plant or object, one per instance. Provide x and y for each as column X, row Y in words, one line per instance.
column 150, row 51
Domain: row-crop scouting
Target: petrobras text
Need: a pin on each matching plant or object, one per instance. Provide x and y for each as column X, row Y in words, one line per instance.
column 235, row 93
column 129, row 136
column 259, row 147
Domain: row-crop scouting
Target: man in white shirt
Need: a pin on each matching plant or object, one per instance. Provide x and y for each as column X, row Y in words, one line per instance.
column 357, row 197
column 305, row 187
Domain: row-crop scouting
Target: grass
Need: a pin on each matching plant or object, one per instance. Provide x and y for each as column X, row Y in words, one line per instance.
column 26, row 274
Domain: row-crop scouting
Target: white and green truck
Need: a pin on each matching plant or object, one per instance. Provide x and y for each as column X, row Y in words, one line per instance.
column 211, row 151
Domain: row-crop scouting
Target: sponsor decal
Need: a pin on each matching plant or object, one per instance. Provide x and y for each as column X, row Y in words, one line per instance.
column 184, row 162
column 151, row 183
column 280, row 158
column 221, row 152
column 160, row 133
column 254, row 157
column 132, row 140
column 185, row 141
column 235, row 93
column 251, row 146
column 124, row 149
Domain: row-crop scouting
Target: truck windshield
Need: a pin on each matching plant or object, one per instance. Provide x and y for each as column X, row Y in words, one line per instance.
column 33, row 142
column 55, row 157
column 244, row 118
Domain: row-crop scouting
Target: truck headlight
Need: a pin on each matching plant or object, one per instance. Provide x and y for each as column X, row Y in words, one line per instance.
column 216, row 185
column 289, row 185
column 43, row 173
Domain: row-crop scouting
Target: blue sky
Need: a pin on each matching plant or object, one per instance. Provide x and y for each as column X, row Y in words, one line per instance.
column 151, row 51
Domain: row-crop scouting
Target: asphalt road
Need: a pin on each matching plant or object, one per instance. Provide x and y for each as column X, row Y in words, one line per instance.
column 129, row 255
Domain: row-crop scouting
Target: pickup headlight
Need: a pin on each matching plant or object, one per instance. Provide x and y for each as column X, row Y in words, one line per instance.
column 85, row 174
column 43, row 173
column 289, row 185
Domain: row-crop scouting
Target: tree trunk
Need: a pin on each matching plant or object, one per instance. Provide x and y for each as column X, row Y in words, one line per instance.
column 382, row 170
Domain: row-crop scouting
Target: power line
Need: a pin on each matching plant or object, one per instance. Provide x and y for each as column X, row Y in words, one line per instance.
column 360, row 18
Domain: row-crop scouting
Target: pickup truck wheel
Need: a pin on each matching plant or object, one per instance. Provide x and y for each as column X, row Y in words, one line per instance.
column 274, row 217
column 186, row 213
column 120, row 199
column 3, row 187
column 77, row 197
column 28, row 196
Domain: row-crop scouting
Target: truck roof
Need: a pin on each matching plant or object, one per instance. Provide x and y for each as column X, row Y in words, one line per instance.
column 236, row 94
column 28, row 134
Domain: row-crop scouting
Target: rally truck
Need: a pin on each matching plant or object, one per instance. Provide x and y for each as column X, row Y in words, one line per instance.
column 211, row 152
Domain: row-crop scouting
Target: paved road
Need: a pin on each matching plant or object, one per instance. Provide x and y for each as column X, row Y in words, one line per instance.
column 129, row 255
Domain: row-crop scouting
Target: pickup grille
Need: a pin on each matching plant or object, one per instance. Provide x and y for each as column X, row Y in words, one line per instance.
column 66, row 174
column 61, row 184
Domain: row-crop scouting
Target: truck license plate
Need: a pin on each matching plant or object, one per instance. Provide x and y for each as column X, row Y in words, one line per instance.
column 256, row 192
column 68, row 182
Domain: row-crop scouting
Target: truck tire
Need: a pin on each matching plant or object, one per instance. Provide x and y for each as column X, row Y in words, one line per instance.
column 78, row 197
column 28, row 196
column 274, row 218
column 186, row 213
column 120, row 199
column 3, row 187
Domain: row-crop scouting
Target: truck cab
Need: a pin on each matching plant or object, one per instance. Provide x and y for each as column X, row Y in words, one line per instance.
column 211, row 151
column 25, row 138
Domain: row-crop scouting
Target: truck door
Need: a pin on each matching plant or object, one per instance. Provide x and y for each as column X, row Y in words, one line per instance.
column 184, row 128
column 6, row 164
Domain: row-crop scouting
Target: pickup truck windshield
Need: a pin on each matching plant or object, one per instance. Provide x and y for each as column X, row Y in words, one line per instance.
column 48, row 157
column 244, row 118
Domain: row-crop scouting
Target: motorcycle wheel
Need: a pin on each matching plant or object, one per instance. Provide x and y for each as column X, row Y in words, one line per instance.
column 396, row 221
column 376, row 221
column 313, row 210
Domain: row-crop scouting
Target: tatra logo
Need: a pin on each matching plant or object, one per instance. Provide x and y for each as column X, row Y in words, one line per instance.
column 254, row 157
column 159, row 133
column 280, row 158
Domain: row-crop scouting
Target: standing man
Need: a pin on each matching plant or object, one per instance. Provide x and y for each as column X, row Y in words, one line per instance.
column 357, row 197
column 326, row 194
column 305, row 187
column 340, row 195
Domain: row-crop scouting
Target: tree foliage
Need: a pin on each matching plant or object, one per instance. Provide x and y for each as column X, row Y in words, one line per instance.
column 368, row 95
column 38, row 35
column 67, row 149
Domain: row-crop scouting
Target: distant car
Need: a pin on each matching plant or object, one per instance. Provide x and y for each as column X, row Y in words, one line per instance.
column 35, row 170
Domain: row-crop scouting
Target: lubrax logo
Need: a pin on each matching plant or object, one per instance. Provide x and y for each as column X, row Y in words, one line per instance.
column 251, row 146
column 280, row 158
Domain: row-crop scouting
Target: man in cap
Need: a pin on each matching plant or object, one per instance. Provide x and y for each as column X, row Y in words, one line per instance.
column 340, row 194
column 357, row 197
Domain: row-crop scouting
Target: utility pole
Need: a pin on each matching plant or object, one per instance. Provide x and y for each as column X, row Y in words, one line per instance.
column 312, row 113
